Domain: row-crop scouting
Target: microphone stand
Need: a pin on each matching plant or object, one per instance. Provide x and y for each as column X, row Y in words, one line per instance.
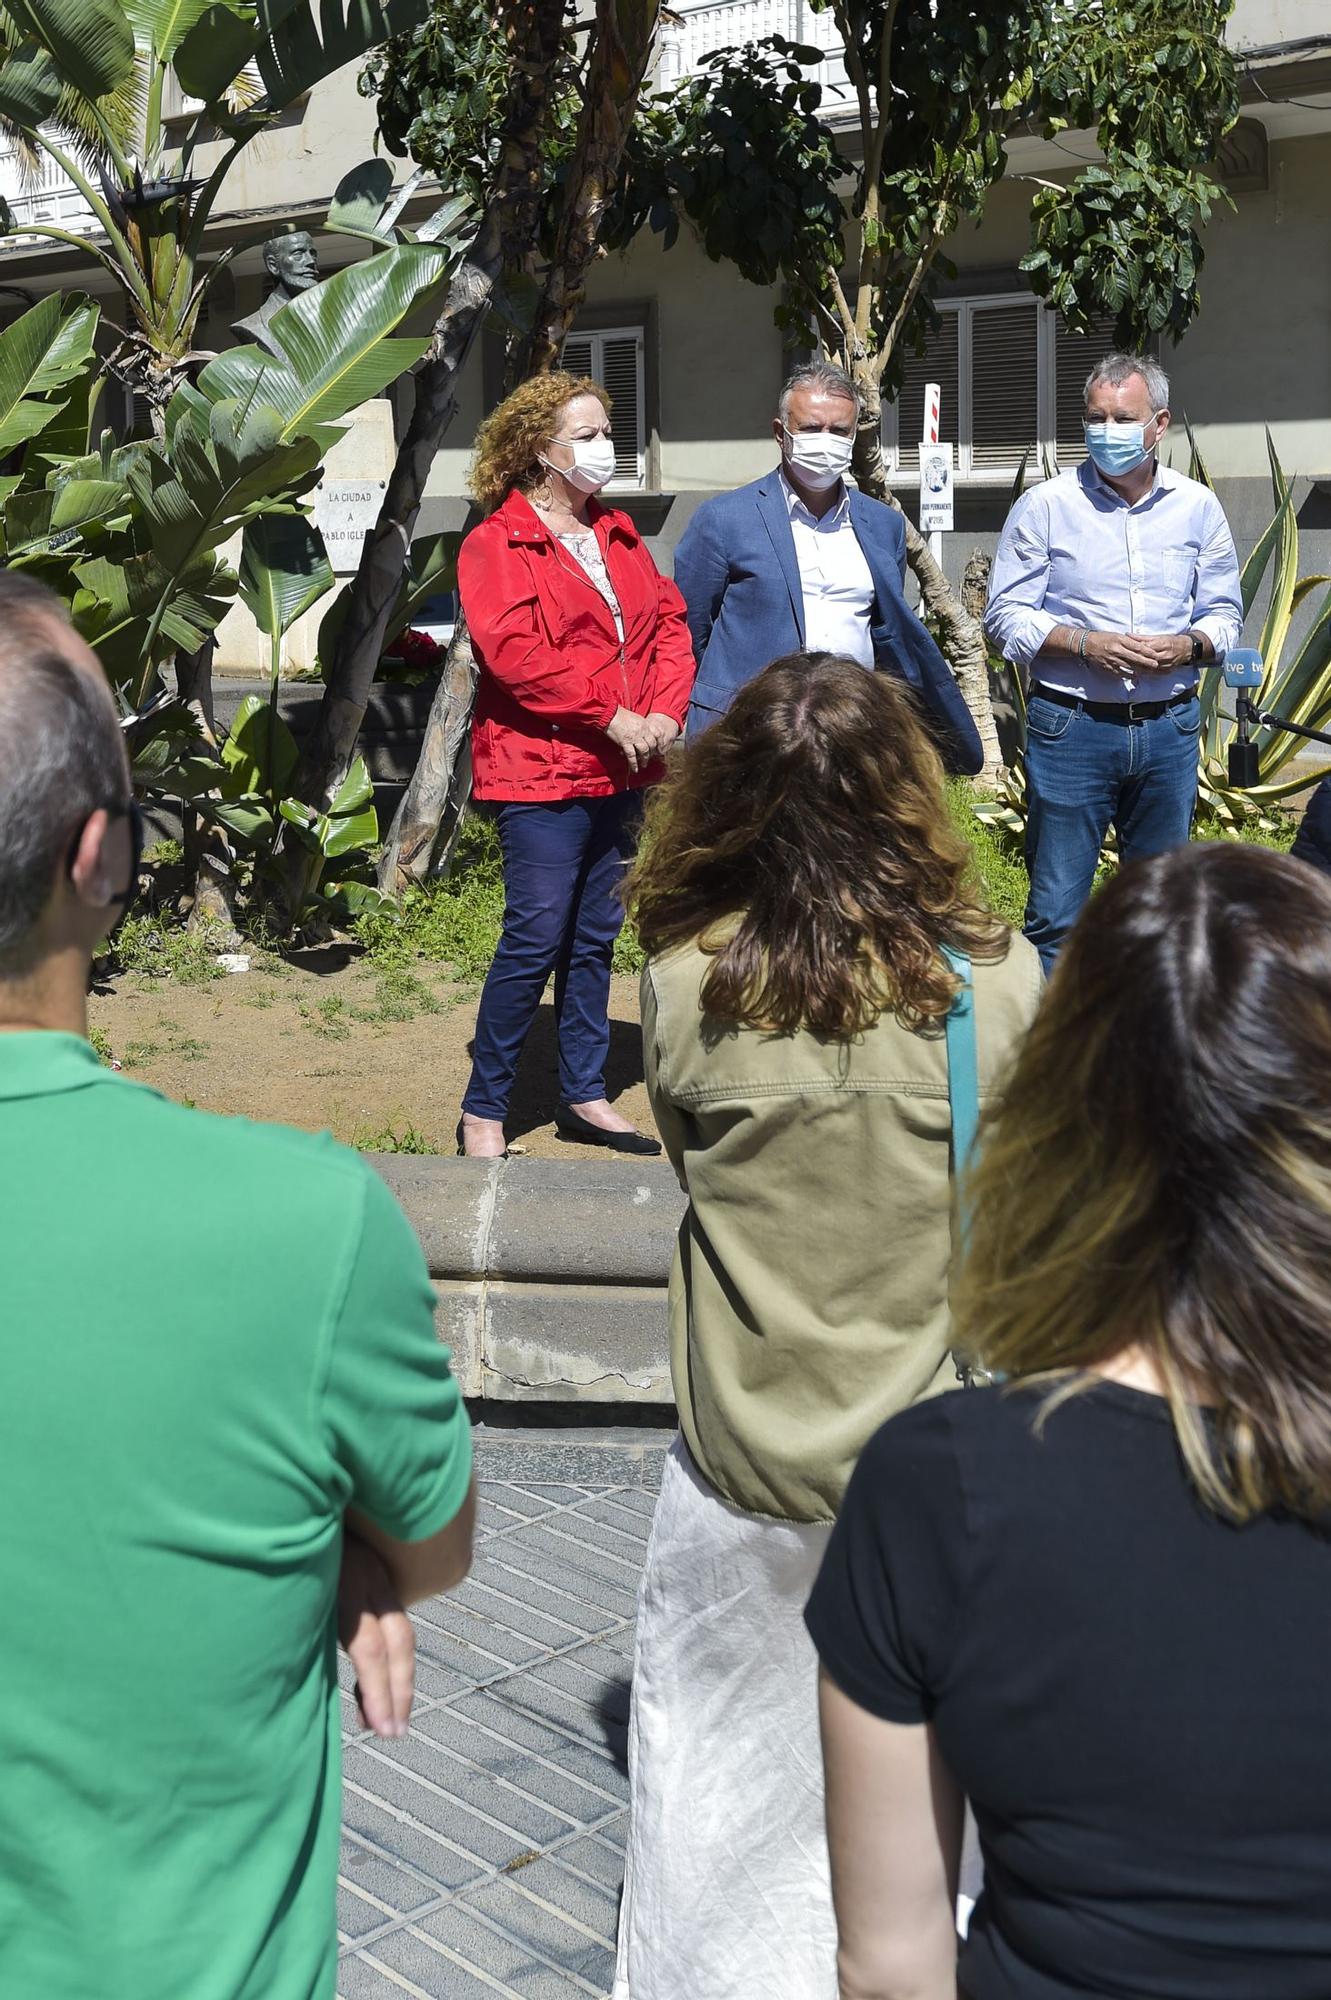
column 1244, row 768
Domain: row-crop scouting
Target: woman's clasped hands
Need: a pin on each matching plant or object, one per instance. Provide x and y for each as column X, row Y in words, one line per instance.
column 641, row 738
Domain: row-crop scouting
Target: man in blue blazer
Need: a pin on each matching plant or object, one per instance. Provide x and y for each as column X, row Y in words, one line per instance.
column 800, row 562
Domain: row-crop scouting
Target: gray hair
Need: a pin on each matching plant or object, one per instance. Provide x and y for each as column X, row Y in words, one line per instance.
column 61, row 757
column 1116, row 368
column 821, row 375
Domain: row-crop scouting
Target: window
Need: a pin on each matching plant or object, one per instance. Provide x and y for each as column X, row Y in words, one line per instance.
column 613, row 356
column 1011, row 376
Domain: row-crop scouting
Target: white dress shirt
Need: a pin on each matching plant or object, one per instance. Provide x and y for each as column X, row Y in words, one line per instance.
column 835, row 578
column 1074, row 552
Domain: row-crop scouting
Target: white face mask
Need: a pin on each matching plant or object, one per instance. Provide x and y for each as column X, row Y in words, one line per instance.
column 593, row 463
column 821, row 458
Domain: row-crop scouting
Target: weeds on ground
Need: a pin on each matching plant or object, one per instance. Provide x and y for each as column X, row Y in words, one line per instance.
column 330, row 1017
column 185, row 1047
column 399, row 995
column 995, row 855
column 390, row 1140
column 101, row 1042
column 151, row 947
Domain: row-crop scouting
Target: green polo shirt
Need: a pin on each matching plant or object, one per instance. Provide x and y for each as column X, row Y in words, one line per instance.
column 215, row 1337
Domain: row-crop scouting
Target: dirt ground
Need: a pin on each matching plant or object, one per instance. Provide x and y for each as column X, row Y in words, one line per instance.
column 306, row 1043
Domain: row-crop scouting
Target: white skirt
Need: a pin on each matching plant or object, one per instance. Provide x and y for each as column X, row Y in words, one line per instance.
column 726, row 1890
column 726, row 1885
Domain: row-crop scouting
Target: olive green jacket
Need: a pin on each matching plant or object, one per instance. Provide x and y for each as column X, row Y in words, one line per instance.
column 809, row 1294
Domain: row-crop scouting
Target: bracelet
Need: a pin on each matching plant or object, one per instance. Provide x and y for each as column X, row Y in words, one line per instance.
column 1081, row 643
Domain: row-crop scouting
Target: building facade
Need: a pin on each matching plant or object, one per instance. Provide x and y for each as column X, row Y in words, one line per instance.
column 693, row 358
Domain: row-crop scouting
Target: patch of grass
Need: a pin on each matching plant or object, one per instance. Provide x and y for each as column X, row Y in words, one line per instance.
column 996, row 855
column 390, row 1140
column 153, row 948
column 101, row 1042
column 329, row 1017
column 258, row 996
column 185, row 1047
column 399, row 995
column 454, row 922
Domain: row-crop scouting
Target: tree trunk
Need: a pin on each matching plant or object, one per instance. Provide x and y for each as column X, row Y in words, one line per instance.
column 429, row 814
column 506, row 228
column 962, row 635
column 421, row 839
column 207, row 849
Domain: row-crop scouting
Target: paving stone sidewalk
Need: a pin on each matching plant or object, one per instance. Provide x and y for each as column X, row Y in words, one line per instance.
column 483, row 1855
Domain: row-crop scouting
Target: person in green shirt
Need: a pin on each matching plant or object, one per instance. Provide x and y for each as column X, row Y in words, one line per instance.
column 220, row 1392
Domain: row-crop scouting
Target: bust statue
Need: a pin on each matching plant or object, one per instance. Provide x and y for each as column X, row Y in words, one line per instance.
column 292, row 262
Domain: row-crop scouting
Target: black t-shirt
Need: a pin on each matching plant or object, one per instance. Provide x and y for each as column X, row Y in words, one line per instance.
column 1135, row 1695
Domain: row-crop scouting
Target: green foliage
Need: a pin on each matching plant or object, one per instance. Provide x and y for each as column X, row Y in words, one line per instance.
column 740, row 152
column 101, row 1042
column 153, row 947
column 440, row 91
column 390, row 1140
column 453, row 922
column 1298, row 689
column 997, row 860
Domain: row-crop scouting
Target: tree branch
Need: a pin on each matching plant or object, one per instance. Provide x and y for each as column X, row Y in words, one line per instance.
column 908, row 298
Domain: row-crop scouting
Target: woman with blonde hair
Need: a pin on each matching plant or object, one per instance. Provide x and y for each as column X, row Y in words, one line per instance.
column 1097, row 1601
column 812, row 920
column 585, row 670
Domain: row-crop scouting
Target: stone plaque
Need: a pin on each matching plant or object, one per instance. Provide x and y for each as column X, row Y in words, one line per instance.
column 345, row 511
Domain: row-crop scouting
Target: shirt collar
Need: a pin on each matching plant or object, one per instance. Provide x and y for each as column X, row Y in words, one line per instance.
column 834, row 516
column 39, row 1062
column 1094, row 481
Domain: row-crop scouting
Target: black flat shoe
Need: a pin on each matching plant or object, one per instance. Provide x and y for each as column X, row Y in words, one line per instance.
column 463, row 1154
column 570, row 1126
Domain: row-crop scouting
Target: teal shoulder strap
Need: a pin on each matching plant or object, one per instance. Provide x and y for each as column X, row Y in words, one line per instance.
column 963, row 1070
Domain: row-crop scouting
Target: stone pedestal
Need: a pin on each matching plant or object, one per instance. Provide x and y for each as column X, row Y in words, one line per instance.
column 346, row 504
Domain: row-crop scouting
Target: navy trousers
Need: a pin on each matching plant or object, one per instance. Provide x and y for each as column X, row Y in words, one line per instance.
column 562, row 868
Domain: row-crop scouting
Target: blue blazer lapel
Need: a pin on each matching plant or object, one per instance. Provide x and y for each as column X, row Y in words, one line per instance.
column 776, row 520
column 865, row 518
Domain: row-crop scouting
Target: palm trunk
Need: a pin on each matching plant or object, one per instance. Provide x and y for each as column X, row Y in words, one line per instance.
column 962, row 635
column 506, row 228
column 420, row 841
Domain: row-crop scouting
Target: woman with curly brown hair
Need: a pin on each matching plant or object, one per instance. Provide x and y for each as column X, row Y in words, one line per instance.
column 585, row 670
column 1097, row 1601
column 800, row 888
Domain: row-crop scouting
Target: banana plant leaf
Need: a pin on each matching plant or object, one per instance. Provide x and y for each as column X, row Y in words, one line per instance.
column 260, row 754
column 29, row 93
column 431, row 569
column 293, row 52
column 335, row 340
column 41, row 355
column 349, row 824
column 90, row 42
column 162, row 25
column 357, row 207
column 284, row 570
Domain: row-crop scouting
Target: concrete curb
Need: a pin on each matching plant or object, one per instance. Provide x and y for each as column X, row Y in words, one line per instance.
column 551, row 1279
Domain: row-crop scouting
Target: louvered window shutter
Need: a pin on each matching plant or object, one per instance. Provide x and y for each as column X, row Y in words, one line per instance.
column 938, row 364
column 1075, row 354
column 621, row 376
column 577, row 358
column 614, row 359
column 1004, row 386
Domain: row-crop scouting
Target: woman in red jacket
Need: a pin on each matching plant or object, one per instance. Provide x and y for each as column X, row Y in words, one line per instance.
column 585, row 671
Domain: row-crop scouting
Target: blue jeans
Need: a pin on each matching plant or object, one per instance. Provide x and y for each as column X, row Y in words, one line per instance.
column 562, row 913
column 1083, row 774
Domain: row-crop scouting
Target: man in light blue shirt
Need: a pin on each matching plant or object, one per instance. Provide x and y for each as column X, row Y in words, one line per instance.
column 1113, row 585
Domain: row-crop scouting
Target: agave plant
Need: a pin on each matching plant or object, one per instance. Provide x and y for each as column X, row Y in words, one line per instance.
column 1297, row 689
